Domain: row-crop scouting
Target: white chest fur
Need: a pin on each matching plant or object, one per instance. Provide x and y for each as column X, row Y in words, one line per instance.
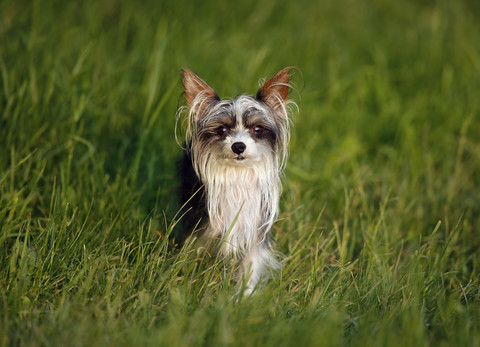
column 242, row 205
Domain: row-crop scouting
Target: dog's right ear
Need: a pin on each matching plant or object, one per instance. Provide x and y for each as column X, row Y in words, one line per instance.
column 275, row 91
column 198, row 93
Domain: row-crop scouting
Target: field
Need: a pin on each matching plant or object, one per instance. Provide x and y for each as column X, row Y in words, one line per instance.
column 380, row 215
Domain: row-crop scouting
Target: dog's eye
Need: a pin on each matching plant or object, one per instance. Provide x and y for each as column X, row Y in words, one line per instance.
column 222, row 130
column 257, row 129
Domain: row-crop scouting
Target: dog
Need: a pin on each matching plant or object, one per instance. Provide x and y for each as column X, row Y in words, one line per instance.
column 236, row 151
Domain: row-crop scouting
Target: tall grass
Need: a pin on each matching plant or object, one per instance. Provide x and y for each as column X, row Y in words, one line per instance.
column 381, row 205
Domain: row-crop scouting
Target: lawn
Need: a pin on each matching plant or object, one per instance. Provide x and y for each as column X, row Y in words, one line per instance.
column 380, row 214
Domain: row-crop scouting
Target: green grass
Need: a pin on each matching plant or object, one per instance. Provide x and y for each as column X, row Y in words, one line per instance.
column 380, row 213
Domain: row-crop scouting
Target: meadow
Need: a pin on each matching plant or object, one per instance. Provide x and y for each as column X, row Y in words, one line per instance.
column 380, row 214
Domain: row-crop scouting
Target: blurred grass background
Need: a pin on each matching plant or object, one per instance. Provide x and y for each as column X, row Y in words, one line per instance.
column 380, row 212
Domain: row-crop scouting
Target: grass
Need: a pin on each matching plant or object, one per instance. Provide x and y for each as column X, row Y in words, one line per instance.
column 381, row 205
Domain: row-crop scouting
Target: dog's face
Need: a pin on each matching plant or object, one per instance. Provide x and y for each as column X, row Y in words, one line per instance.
column 240, row 132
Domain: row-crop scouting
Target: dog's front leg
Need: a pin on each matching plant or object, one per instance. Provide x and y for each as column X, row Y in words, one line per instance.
column 257, row 267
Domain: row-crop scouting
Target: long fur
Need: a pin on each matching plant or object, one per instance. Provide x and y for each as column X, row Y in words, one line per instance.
column 242, row 190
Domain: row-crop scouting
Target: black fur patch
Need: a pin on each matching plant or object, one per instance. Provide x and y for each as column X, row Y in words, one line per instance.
column 195, row 208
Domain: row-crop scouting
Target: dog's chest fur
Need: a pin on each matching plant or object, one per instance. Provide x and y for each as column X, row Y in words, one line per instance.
column 236, row 207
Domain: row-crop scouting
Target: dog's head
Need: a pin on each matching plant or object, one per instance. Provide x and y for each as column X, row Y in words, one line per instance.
column 238, row 132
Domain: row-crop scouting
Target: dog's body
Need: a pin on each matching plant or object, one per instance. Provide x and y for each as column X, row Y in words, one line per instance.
column 236, row 150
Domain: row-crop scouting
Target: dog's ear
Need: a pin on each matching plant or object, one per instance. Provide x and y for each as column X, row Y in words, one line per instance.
column 275, row 91
column 197, row 92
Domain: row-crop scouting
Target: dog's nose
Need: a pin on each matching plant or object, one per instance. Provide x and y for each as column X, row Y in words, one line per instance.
column 238, row 147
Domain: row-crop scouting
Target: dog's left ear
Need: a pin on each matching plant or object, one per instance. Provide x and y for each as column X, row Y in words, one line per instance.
column 275, row 91
column 197, row 92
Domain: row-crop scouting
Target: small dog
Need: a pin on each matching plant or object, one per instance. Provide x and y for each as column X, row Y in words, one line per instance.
column 235, row 153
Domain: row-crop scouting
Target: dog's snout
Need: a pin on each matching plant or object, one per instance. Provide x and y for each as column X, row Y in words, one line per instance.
column 238, row 147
